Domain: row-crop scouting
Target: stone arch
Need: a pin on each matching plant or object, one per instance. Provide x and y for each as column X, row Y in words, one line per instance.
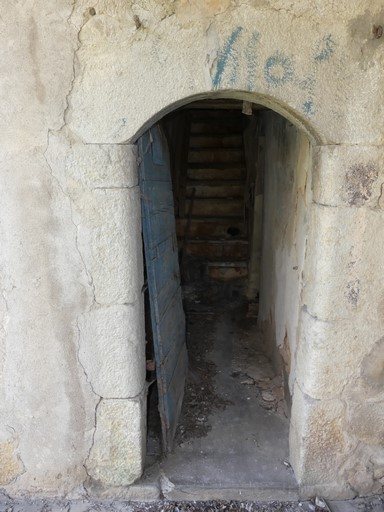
column 301, row 122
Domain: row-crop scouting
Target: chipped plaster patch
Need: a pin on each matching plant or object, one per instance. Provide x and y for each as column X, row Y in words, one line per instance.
column 359, row 180
column 10, row 463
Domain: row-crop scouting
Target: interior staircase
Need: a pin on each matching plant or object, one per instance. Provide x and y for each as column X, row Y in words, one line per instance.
column 212, row 222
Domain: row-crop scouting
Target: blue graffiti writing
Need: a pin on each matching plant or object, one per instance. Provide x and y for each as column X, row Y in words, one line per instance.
column 251, row 55
column 308, row 107
column 228, row 52
column 278, row 70
column 324, row 49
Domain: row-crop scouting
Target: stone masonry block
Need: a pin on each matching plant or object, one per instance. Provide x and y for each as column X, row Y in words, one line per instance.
column 101, row 182
column 318, row 445
column 11, row 465
column 80, row 167
column 349, row 176
column 328, row 355
column 112, row 346
column 110, row 241
column 345, row 254
column 118, row 452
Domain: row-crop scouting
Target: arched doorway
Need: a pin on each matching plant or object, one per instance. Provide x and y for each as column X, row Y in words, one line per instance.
column 238, row 172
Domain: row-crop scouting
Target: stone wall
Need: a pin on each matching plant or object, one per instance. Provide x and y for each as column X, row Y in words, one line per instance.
column 79, row 83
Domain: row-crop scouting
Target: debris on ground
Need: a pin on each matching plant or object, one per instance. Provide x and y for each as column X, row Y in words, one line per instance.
column 200, row 396
column 7, row 504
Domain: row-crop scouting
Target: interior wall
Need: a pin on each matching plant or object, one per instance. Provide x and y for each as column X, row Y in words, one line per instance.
column 287, row 171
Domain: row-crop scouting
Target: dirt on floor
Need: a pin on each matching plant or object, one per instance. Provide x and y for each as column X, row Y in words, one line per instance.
column 7, row 504
column 203, row 306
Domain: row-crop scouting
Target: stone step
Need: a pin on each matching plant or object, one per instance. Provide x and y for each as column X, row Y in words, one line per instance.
column 230, row 189
column 212, row 172
column 230, row 126
column 217, row 207
column 204, row 113
column 217, row 155
column 212, row 228
column 216, row 141
column 227, row 271
column 213, row 250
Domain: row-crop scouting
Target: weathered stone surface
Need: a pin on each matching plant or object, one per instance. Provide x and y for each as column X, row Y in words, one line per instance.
column 11, row 465
column 329, row 355
column 364, row 420
column 101, row 184
column 109, row 239
column 36, row 67
column 112, row 349
column 372, row 367
column 84, row 167
column 300, row 73
column 343, row 248
column 348, row 176
column 118, row 451
column 45, row 396
column 364, row 470
column 317, row 460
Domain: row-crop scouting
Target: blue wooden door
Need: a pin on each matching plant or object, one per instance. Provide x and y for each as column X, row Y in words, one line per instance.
column 161, row 259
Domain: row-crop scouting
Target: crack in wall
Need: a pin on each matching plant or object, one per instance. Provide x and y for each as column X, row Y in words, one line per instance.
column 57, row 181
column 305, row 309
column 80, row 362
column 140, row 397
column 88, row 456
column 75, row 52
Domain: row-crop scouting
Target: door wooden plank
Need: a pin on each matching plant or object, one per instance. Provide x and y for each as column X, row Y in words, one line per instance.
column 161, row 258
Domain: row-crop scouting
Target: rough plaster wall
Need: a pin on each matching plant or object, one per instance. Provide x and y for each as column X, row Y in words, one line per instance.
column 47, row 407
column 72, row 335
column 100, row 75
column 286, row 192
column 299, row 57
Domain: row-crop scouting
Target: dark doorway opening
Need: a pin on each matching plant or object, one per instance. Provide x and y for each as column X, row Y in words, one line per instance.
column 233, row 429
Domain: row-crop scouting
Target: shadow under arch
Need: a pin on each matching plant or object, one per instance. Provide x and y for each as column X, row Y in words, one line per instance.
column 270, row 102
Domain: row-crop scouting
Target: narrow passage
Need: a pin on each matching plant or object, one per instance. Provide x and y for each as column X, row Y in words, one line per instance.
column 233, row 430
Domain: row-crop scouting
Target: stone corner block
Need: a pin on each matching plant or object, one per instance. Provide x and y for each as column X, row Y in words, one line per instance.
column 348, row 176
column 112, row 349
column 118, row 452
column 318, row 441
